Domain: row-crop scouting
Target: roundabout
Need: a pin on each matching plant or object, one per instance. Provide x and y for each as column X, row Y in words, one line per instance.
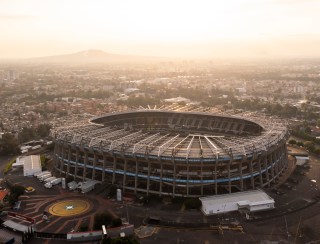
column 67, row 208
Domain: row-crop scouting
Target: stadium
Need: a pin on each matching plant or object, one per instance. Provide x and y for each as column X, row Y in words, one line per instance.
column 174, row 151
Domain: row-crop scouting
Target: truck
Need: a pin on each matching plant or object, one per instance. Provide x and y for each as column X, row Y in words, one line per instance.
column 46, row 176
column 38, row 174
column 72, row 185
column 48, row 185
column 36, row 147
column 56, row 181
column 50, row 179
column 43, row 175
column 88, row 186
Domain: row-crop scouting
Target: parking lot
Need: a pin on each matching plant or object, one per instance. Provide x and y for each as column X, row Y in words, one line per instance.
column 295, row 218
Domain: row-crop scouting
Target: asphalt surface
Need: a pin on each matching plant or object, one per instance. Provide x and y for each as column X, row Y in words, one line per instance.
column 296, row 218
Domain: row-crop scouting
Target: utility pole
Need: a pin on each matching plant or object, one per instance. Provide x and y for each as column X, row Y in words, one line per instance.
column 285, row 219
column 297, row 232
column 127, row 213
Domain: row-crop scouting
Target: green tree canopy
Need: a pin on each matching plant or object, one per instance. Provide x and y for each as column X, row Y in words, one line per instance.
column 8, row 145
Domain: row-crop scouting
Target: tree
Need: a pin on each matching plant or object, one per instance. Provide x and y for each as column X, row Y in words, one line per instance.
column 299, row 143
column 8, row 145
column 292, row 141
column 27, row 134
column 309, row 145
column 101, row 219
column 84, row 227
column 43, row 130
column 17, row 189
column 116, row 222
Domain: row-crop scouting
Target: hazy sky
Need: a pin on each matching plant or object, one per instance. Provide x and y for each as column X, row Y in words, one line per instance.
column 199, row 28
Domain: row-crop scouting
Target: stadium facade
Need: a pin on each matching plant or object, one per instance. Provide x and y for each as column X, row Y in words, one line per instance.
column 177, row 153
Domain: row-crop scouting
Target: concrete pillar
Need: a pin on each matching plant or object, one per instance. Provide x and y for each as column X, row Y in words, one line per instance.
column 104, row 167
column 95, row 158
column 161, row 175
column 266, row 169
column 69, row 159
column 216, row 176
column 272, row 168
column 201, row 176
column 85, row 165
column 124, row 173
column 229, row 174
column 148, row 179
column 187, row 177
column 77, row 162
column 136, row 177
column 114, row 169
column 63, row 156
column 174, row 177
column 251, row 173
column 240, row 172
column 260, row 173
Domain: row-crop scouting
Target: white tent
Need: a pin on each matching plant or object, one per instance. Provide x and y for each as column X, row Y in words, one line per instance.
column 251, row 201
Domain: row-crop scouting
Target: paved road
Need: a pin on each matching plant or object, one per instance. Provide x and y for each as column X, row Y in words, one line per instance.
column 4, row 160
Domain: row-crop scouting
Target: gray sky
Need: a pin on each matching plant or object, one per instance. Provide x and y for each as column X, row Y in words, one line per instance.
column 175, row 28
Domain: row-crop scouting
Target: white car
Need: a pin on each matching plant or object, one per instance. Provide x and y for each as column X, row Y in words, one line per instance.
column 48, row 185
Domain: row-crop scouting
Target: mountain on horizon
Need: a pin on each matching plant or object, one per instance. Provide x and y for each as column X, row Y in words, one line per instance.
column 94, row 56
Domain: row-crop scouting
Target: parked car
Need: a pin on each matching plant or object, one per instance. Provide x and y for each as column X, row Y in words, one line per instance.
column 29, row 189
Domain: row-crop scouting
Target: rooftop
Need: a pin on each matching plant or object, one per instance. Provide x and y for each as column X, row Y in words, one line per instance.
column 246, row 196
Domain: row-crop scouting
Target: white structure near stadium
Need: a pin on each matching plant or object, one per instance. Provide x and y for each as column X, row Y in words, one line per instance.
column 249, row 201
column 31, row 164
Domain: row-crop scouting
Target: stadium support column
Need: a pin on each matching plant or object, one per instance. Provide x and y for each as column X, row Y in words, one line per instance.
column 94, row 166
column 148, row 179
column 276, row 166
column 188, row 177
column 56, row 155
column 251, row 170
column 240, row 171
column 201, row 171
column 229, row 173
column 174, row 177
column 69, row 160
column 260, row 172
column 216, row 175
column 161, row 175
column 63, row 156
column 285, row 153
column 77, row 163
column 136, row 176
column 114, row 169
column 266, row 170
column 272, row 165
column 124, row 172
column 85, row 165
column 104, row 167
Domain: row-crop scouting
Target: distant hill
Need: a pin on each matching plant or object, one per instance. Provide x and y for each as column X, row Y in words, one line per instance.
column 94, row 56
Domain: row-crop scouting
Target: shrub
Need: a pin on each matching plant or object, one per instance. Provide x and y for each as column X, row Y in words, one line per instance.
column 300, row 144
column 292, row 141
column 83, row 227
column 102, row 219
column 116, row 222
column 9, row 166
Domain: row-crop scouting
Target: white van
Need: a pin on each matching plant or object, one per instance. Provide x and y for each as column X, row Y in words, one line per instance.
column 41, row 173
column 43, row 177
column 56, row 181
column 50, row 179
